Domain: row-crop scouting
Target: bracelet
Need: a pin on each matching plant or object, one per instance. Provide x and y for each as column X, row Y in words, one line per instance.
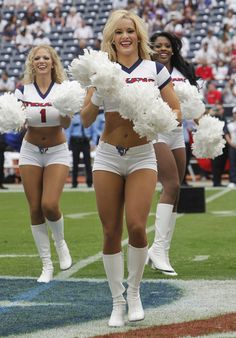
column 96, row 99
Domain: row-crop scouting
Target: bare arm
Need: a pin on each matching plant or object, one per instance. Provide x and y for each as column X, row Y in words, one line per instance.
column 65, row 121
column 169, row 96
column 89, row 111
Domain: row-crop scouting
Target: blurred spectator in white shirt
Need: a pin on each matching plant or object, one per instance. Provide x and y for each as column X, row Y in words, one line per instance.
column 220, row 70
column 83, row 32
column 205, row 53
column 117, row 4
column 211, row 39
column 24, row 40
column 6, row 83
column 229, row 93
column 73, row 19
column 41, row 38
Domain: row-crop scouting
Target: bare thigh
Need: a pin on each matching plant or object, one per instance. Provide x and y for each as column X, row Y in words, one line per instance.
column 32, row 179
column 139, row 190
column 54, row 178
column 109, row 189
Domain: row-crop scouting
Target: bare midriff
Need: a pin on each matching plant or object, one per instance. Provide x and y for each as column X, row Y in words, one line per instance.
column 45, row 136
column 119, row 131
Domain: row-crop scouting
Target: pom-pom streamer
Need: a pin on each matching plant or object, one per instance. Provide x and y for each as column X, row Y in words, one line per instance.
column 141, row 103
column 12, row 113
column 191, row 102
column 68, row 98
column 208, row 141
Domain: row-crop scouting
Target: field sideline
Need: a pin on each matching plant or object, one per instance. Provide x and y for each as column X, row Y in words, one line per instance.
column 77, row 303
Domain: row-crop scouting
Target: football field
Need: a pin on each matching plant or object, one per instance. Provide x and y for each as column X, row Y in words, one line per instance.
column 199, row 302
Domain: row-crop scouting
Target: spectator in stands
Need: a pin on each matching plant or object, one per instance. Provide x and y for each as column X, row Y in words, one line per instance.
column 81, row 140
column 3, row 23
column 44, row 22
column 220, row 70
column 3, row 146
column 171, row 154
column 44, row 156
column 6, row 83
column 82, row 44
column 73, row 19
column 232, row 69
column 219, row 162
column 9, row 33
column 84, row 31
column 230, row 20
column 57, row 19
column 24, row 40
column 213, row 95
column 230, row 135
column 117, row 4
column 205, row 52
column 189, row 18
column 211, row 39
column 30, row 17
column 41, row 39
column 204, row 70
column 120, row 185
column 229, row 93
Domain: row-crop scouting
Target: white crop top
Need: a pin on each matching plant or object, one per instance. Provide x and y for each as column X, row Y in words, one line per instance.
column 39, row 110
column 145, row 71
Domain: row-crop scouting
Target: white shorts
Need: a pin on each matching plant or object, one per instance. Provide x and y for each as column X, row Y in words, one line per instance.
column 42, row 157
column 124, row 161
column 174, row 139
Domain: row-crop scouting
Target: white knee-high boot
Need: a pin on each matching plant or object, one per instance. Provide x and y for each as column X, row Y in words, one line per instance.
column 169, row 239
column 136, row 262
column 40, row 234
column 114, row 268
column 157, row 252
column 57, row 228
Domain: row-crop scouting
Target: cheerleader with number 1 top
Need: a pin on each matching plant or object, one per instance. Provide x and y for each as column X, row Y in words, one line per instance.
column 125, row 170
column 44, row 156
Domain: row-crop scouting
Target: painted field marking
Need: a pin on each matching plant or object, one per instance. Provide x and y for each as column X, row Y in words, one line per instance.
column 200, row 258
column 81, row 214
column 89, row 260
column 17, row 255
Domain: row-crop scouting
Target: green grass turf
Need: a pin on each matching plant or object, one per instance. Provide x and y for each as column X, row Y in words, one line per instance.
column 200, row 234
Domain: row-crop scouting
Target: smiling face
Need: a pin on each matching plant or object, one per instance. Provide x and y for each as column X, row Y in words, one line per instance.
column 126, row 40
column 163, row 50
column 42, row 62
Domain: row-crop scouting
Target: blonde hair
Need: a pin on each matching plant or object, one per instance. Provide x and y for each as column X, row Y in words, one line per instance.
column 58, row 73
column 144, row 50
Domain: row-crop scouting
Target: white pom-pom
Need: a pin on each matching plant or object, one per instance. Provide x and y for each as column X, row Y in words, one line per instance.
column 68, row 98
column 12, row 113
column 208, row 140
column 142, row 104
column 191, row 101
column 108, row 78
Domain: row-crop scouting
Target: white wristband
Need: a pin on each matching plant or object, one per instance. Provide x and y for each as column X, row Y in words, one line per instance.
column 96, row 99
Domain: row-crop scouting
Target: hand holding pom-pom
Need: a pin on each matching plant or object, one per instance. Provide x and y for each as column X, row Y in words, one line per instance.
column 12, row 113
column 208, row 140
column 95, row 69
column 68, row 98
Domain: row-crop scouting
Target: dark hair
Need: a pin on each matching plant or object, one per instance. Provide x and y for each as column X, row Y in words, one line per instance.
column 177, row 61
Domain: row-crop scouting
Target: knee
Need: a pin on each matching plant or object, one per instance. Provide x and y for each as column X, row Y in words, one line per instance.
column 50, row 209
column 172, row 189
column 137, row 234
